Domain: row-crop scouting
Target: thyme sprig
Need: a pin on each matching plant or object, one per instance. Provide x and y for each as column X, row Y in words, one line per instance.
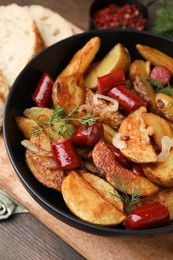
column 65, row 126
column 128, row 199
column 160, row 88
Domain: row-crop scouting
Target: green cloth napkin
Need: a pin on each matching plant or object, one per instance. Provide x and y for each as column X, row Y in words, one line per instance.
column 8, row 206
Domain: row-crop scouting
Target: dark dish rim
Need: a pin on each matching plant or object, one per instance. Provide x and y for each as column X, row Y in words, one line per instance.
column 65, row 217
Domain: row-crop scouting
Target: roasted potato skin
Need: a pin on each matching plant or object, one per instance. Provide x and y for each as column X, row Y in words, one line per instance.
column 26, row 126
column 138, row 145
column 68, row 92
column 44, row 168
column 117, row 58
column 160, row 126
column 165, row 197
column 161, row 173
column 164, row 105
column 44, row 172
column 83, row 58
column 104, row 188
column 87, row 203
column 155, row 56
column 105, row 161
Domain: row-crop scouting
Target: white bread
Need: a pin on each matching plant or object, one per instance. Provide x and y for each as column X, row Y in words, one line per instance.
column 4, row 91
column 51, row 25
column 20, row 40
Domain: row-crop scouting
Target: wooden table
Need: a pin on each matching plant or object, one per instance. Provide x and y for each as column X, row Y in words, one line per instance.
column 25, row 237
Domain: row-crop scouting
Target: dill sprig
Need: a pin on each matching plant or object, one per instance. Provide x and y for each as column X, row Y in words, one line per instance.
column 128, row 199
column 163, row 18
column 160, row 88
column 65, row 126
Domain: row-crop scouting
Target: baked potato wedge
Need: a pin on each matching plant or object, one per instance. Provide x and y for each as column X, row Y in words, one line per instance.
column 109, row 133
column 40, row 114
column 165, row 197
column 68, row 92
column 82, row 58
column 139, row 71
column 42, row 164
column 87, row 202
column 26, row 126
column 104, row 188
column 106, row 163
column 161, row 173
column 45, row 170
column 155, row 56
column 136, row 136
column 160, row 126
column 117, row 58
column 164, row 104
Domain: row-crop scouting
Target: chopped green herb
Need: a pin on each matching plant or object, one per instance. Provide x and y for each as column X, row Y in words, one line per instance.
column 159, row 87
column 128, row 199
column 58, row 116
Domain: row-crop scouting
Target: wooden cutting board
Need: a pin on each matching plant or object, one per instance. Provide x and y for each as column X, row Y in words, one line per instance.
column 89, row 245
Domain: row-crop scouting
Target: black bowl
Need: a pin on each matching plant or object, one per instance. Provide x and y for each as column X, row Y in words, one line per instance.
column 52, row 61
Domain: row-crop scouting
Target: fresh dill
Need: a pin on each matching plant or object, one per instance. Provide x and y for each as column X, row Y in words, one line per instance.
column 65, row 126
column 128, row 199
column 160, row 88
column 163, row 18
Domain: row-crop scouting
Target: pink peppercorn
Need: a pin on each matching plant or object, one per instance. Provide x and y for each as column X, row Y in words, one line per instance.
column 126, row 16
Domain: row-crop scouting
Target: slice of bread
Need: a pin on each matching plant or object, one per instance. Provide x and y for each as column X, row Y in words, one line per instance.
column 4, row 91
column 51, row 25
column 20, row 40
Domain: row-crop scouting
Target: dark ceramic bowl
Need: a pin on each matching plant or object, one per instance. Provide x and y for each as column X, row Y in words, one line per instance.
column 98, row 5
column 52, row 61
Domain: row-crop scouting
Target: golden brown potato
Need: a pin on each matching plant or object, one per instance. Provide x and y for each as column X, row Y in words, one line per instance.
column 105, row 161
column 117, row 58
column 155, row 56
column 164, row 104
column 83, row 58
column 42, row 163
column 109, row 133
column 25, row 125
column 68, row 92
column 136, row 136
column 138, row 73
column 161, row 173
column 165, row 197
column 104, row 188
column 42, row 115
column 88, row 203
column 160, row 126
column 45, row 170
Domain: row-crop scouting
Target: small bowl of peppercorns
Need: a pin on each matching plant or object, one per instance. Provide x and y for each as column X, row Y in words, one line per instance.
column 124, row 14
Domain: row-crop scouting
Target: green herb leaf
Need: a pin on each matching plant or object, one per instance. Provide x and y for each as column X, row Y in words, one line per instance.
column 128, row 199
column 163, row 18
column 159, row 87
column 58, row 116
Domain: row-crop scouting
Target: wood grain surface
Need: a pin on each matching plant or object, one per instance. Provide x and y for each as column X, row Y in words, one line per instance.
column 38, row 235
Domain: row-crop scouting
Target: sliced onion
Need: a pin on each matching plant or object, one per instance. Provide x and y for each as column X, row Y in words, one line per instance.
column 111, row 100
column 166, row 143
column 30, row 146
column 118, row 142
